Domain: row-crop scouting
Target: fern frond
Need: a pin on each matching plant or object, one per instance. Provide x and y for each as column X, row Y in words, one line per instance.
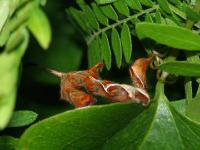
column 105, row 22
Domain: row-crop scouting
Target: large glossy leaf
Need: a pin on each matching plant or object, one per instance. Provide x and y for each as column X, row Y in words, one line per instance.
column 173, row 36
column 183, row 68
column 40, row 27
column 115, row 126
column 116, row 46
column 151, row 129
column 87, row 128
column 180, row 106
column 9, row 64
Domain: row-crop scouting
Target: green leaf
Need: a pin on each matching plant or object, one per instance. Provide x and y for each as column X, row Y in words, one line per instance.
column 99, row 14
column 79, row 18
column 179, row 105
column 170, row 22
column 87, row 128
column 116, row 46
column 192, row 109
column 8, row 143
column 177, row 11
column 9, row 64
column 176, row 2
column 4, row 12
column 18, row 20
column 105, row 1
column 191, row 14
column 148, row 18
column 40, row 27
column 4, row 35
column 158, row 16
column 183, row 68
column 15, row 39
column 115, row 126
column 126, row 42
column 172, row 36
column 105, row 47
column 90, row 16
column 134, row 4
column 91, row 52
column 148, row 3
column 122, row 8
column 94, row 52
column 22, row 118
column 13, row 5
column 109, row 12
column 164, row 5
column 151, row 129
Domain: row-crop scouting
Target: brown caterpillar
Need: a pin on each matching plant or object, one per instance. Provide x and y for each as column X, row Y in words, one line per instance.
column 79, row 87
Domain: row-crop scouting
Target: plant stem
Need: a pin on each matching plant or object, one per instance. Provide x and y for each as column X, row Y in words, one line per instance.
column 159, row 88
column 172, row 56
column 95, row 34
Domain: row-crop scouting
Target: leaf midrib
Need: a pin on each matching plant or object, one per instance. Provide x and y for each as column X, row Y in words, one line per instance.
column 153, row 120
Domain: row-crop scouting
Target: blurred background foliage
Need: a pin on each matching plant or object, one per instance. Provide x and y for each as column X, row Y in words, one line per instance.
column 65, row 53
column 38, row 90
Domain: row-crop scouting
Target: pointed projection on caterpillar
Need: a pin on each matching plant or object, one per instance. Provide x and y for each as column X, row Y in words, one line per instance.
column 80, row 87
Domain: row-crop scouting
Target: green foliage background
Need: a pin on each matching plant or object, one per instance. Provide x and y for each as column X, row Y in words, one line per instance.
column 75, row 35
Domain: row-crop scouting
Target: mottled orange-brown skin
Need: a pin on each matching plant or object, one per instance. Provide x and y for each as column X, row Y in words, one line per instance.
column 79, row 87
column 138, row 71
